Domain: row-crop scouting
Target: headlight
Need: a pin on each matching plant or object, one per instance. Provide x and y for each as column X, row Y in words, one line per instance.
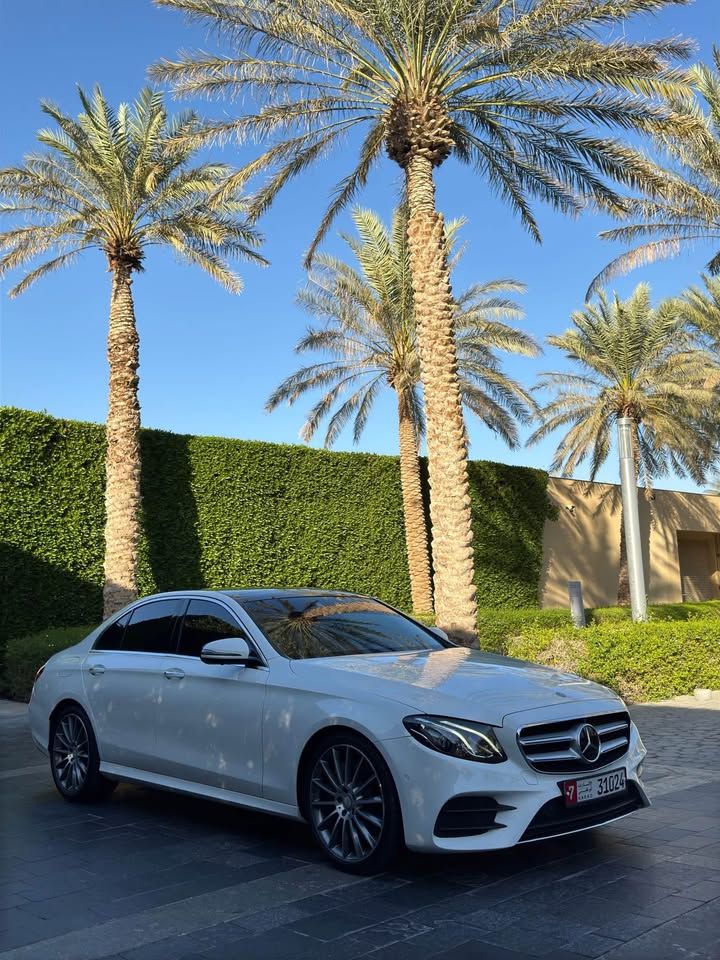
column 456, row 738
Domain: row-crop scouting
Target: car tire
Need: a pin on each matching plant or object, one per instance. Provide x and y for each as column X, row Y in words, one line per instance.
column 351, row 803
column 74, row 758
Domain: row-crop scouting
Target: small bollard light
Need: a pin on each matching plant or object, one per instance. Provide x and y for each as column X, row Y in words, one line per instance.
column 577, row 607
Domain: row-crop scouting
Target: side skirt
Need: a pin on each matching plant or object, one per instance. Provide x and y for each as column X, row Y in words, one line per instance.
column 131, row 775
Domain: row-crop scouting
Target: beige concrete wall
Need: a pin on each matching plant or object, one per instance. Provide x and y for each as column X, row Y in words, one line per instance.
column 583, row 542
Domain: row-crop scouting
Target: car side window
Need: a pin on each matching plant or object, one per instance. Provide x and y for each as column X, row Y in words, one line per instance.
column 112, row 637
column 152, row 625
column 205, row 621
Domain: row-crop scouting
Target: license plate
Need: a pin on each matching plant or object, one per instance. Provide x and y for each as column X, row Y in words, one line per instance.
column 593, row 788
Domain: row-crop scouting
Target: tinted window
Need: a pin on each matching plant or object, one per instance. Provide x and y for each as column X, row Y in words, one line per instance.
column 302, row 627
column 206, row 621
column 112, row 637
column 151, row 626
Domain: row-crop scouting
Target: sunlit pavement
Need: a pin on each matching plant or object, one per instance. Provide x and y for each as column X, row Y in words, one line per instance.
column 151, row 876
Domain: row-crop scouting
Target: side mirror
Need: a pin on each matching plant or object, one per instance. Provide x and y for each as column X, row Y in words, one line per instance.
column 228, row 650
column 439, row 633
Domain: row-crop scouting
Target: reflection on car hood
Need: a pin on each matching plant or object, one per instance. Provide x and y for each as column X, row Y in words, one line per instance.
column 483, row 685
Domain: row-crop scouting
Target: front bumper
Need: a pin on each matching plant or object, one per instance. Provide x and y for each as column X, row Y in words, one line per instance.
column 427, row 780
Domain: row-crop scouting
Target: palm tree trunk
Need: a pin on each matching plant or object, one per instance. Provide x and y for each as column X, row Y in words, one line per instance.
column 452, row 542
column 122, row 462
column 416, row 539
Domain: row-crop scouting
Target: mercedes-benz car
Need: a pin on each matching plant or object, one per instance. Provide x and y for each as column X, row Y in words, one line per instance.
column 340, row 710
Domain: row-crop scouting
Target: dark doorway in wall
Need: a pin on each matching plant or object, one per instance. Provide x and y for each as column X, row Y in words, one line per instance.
column 699, row 555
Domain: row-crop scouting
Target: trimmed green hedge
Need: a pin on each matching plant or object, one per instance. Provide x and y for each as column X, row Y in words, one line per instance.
column 221, row 512
column 642, row 661
column 25, row 656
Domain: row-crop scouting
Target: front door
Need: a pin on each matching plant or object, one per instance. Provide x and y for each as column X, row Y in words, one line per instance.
column 209, row 718
column 124, row 681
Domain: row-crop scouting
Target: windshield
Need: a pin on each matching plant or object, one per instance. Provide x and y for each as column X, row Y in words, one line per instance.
column 325, row 626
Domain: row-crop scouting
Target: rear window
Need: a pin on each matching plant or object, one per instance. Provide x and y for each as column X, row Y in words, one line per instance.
column 325, row 626
column 148, row 628
column 112, row 637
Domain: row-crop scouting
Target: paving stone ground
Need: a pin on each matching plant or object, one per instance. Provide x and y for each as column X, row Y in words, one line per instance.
column 152, row 876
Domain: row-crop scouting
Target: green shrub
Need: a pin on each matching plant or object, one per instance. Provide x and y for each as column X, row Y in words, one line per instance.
column 497, row 627
column 705, row 610
column 642, row 661
column 26, row 655
column 233, row 513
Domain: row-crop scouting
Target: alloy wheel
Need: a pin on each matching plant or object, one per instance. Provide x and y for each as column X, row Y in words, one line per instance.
column 71, row 753
column 347, row 803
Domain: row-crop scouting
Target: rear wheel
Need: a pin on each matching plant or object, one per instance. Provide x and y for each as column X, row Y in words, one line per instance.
column 352, row 803
column 74, row 758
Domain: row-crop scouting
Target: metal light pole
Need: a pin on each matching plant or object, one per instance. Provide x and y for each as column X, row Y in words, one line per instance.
column 633, row 544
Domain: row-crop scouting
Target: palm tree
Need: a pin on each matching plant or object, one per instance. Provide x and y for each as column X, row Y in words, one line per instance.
column 368, row 329
column 701, row 309
column 686, row 211
column 638, row 362
column 120, row 182
column 506, row 87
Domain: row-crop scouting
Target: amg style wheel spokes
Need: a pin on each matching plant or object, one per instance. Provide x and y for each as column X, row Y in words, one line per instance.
column 347, row 802
column 71, row 753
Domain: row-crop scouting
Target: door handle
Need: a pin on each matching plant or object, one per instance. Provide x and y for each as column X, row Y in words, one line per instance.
column 174, row 674
column 97, row 669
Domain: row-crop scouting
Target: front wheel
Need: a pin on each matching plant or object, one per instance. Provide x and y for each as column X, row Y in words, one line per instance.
column 352, row 803
column 74, row 758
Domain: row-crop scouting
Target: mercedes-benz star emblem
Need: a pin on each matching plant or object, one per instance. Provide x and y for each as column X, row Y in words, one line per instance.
column 588, row 743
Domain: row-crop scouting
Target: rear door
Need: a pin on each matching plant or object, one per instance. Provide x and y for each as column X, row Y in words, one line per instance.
column 123, row 677
column 209, row 717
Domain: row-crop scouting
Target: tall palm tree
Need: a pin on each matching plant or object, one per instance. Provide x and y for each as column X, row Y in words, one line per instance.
column 368, row 330
column 686, row 211
column 505, row 86
column 120, row 182
column 638, row 362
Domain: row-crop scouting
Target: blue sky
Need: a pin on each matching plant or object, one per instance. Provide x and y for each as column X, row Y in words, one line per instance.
column 208, row 359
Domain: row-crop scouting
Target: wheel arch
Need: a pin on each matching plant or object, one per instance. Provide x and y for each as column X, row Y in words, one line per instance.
column 303, row 767
column 59, row 707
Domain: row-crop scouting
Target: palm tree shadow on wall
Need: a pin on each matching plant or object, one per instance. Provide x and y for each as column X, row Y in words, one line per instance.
column 170, row 515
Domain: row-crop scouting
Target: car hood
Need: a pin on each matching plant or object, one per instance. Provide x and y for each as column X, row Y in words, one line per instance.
column 458, row 682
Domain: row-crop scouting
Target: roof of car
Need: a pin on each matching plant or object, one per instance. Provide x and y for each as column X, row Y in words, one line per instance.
column 272, row 594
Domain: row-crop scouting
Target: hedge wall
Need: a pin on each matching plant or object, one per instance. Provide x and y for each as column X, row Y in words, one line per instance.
column 221, row 512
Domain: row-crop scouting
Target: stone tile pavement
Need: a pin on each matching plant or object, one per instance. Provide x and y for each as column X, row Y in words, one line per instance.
column 152, row 876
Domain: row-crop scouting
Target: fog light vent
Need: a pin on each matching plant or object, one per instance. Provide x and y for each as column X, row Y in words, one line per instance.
column 469, row 815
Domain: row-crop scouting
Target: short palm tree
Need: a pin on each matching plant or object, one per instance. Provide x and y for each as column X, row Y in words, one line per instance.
column 701, row 309
column 369, row 332
column 120, row 182
column 686, row 211
column 638, row 362
column 505, row 87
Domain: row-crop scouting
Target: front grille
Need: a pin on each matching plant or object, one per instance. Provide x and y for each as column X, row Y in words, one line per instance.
column 469, row 815
column 553, row 747
column 554, row 818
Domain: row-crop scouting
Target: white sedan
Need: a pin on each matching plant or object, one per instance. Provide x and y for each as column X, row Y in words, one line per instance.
column 336, row 709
